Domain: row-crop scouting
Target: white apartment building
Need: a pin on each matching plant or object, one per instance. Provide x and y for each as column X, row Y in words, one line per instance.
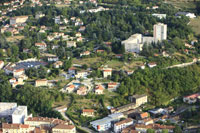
column 18, row 20
column 19, row 114
column 133, row 43
column 160, row 31
column 6, row 109
column 105, row 123
column 119, row 126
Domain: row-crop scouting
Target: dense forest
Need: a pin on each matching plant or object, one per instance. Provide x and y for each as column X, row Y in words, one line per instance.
column 161, row 85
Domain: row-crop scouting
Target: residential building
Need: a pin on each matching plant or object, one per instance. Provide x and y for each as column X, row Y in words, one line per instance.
column 191, row 98
column 107, row 73
column 6, row 109
column 187, row 14
column 16, row 128
column 112, row 86
column 57, row 20
column 160, row 16
column 133, row 44
column 106, row 123
column 53, row 59
column 69, row 88
column 152, row 64
column 18, row 20
column 157, row 127
column 81, row 74
column 61, row 128
column 146, row 121
column 142, row 116
column 88, row 112
column 85, row 53
column 44, row 121
column 72, row 70
column 58, row 64
column 71, row 44
column 41, row 82
column 41, row 46
column 18, row 72
column 129, row 129
column 82, row 91
column 99, row 89
column 1, row 64
column 119, row 126
column 19, row 114
column 160, row 32
column 138, row 99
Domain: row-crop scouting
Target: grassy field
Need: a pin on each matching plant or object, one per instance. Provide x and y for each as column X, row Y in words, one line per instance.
column 195, row 24
column 180, row 4
column 14, row 38
column 88, row 61
column 115, row 64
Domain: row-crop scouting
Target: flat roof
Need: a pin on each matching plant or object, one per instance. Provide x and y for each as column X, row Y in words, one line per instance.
column 7, row 104
column 19, row 110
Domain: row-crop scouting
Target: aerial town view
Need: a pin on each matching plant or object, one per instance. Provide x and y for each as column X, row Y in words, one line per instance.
column 107, row 66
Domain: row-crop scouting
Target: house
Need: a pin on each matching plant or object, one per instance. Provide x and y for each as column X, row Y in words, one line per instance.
column 160, row 16
column 1, row 64
column 72, row 70
column 19, row 114
column 152, row 64
column 129, row 129
column 82, row 91
column 71, row 44
column 15, row 128
column 79, row 39
column 81, row 74
column 44, row 121
column 69, row 88
column 191, row 98
column 105, row 124
column 107, row 73
column 86, row 53
column 82, row 28
column 57, row 20
column 41, row 46
column 99, row 89
column 78, row 34
column 13, row 80
column 157, row 127
column 18, row 20
column 142, row 66
column 129, row 72
column 146, row 121
column 187, row 14
column 112, row 86
column 58, row 64
column 18, row 72
column 39, row 15
column 142, row 116
column 138, row 99
column 119, row 126
column 88, row 112
column 53, row 59
column 41, row 82
column 61, row 128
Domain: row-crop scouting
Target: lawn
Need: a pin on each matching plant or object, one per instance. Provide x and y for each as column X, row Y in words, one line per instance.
column 195, row 24
column 115, row 64
column 14, row 38
column 88, row 61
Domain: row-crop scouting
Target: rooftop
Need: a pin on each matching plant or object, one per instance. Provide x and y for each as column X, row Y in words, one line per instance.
column 19, row 110
column 62, row 126
column 88, row 110
column 124, row 121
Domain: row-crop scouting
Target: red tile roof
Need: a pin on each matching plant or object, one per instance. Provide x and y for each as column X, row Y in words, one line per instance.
column 88, row 110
